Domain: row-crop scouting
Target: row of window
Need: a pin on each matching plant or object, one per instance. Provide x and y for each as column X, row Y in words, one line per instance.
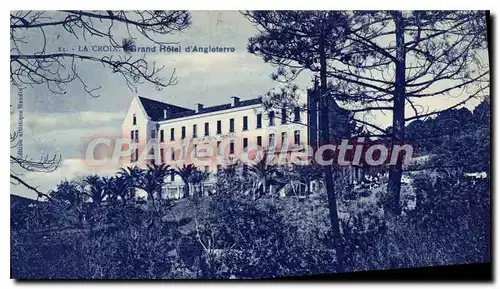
column 219, row 126
column 284, row 139
column 134, row 135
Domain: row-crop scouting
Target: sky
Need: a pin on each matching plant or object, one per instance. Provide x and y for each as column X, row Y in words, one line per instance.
column 62, row 123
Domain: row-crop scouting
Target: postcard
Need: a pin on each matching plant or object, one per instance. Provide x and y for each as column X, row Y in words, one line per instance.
column 249, row 144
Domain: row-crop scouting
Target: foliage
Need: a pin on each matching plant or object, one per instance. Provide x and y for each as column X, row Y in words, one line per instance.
column 152, row 179
column 369, row 61
column 97, row 188
column 445, row 197
column 119, row 187
column 197, row 179
column 257, row 241
column 456, row 138
column 264, row 171
column 230, row 235
column 185, row 173
column 373, row 62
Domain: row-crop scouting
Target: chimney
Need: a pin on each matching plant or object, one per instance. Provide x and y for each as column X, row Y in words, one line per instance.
column 236, row 100
column 200, row 106
column 164, row 114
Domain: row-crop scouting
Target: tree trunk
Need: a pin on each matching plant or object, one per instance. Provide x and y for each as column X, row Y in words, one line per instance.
column 151, row 198
column 325, row 137
column 185, row 190
column 398, row 121
column 264, row 186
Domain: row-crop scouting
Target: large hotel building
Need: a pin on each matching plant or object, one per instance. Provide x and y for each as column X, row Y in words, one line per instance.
column 211, row 137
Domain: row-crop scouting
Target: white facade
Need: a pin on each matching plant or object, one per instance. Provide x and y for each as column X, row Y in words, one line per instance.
column 154, row 126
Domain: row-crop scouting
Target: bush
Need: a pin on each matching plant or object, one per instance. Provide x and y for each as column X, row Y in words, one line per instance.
column 138, row 248
column 230, row 235
column 456, row 208
column 245, row 238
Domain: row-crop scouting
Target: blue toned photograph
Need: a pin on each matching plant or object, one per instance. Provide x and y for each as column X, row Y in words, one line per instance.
column 250, row 145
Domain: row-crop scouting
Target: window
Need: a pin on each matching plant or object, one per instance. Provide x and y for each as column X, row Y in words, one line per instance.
column 172, row 176
column 136, row 135
column 219, row 168
column 245, row 143
column 153, row 133
column 162, row 136
column 207, row 168
column 283, row 138
column 134, row 120
column 207, row 127
column 271, row 139
column 296, row 113
column 259, row 120
column 183, row 132
column 132, row 135
column 259, row 141
column 283, row 115
column 271, row 118
column 219, row 127
column 245, row 123
column 231, row 125
column 135, row 156
column 194, row 131
column 172, row 134
column 219, row 149
column 231, row 147
column 296, row 138
column 161, row 156
column 172, row 154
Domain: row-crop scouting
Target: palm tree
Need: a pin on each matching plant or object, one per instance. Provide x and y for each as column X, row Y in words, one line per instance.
column 263, row 171
column 160, row 171
column 185, row 172
column 116, row 187
column 231, row 170
column 97, row 188
column 152, row 180
column 132, row 174
column 198, row 178
column 131, row 177
column 234, row 178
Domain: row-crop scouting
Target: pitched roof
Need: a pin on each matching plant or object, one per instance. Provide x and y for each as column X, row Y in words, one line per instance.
column 154, row 108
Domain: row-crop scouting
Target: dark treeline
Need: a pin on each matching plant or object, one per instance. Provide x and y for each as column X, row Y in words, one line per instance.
column 457, row 137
